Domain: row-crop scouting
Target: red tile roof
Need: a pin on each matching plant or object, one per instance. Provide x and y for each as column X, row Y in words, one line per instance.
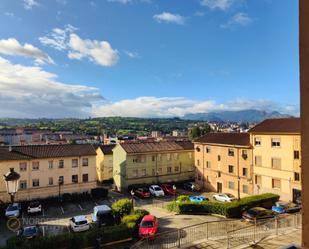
column 150, row 147
column 239, row 139
column 278, row 125
column 46, row 151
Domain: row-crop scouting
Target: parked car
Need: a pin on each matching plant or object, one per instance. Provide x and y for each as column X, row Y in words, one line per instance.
column 155, row 190
column 148, row 227
column 13, row 210
column 198, row 198
column 34, row 207
column 103, row 215
column 142, row 193
column 168, row 189
column 224, row 197
column 257, row 213
column 286, row 207
column 79, row 223
column 191, row 186
column 29, row 232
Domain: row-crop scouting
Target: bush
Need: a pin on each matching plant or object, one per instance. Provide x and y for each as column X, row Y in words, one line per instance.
column 229, row 209
column 134, row 219
column 97, row 193
column 122, row 207
column 183, row 198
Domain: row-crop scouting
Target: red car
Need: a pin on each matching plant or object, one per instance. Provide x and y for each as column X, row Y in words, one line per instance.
column 148, row 227
column 142, row 193
column 168, row 189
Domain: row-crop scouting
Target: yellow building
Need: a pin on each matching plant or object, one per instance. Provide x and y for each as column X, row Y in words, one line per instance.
column 42, row 167
column 224, row 163
column 152, row 162
column 104, row 162
column 276, row 157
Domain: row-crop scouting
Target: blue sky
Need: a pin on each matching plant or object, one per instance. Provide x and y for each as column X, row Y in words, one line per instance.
column 147, row 58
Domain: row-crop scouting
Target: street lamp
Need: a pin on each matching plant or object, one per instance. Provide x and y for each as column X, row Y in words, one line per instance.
column 174, row 188
column 132, row 195
column 11, row 180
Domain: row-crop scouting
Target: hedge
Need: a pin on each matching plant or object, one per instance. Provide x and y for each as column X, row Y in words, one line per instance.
column 229, row 209
column 127, row 228
column 122, row 207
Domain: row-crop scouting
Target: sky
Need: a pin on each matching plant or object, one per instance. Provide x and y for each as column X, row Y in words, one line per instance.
column 147, row 58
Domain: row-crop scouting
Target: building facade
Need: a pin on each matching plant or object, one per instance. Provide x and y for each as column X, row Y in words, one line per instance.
column 277, row 157
column 152, row 163
column 43, row 167
column 224, row 163
column 104, row 162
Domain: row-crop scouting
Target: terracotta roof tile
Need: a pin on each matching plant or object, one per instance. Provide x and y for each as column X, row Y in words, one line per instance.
column 240, row 139
column 278, row 125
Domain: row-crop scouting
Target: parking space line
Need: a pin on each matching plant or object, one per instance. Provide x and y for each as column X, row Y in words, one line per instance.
column 62, row 209
column 43, row 229
column 43, row 213
column 80, row 207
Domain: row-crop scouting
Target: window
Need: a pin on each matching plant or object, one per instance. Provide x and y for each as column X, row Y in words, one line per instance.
column 85, row 162
column 176, row 156
column 258, row 180
column 244, row 154
column 231, row 185
column 35, row 165
column 276, row 183
column 231, row 152
column 159, row 171
column 219, row 173
column 168, row 157
column 135, row 160
column 61, row 164
column 85, row 177
column 50, row 164
column 258, row 160
column 143, row 172
column 257, row 141
column 153, row 172
column 75, row 178
column 245, row 189
column 74, row 163
column 198, row 149
column 244, row 172
column 153, row 158
column 198, row 162
column 50, row 181
column 169, row 169
column 23, row 166
column 208, row 164
column 219, row 158
column 22, row 184
column 231, row 169
column 135, row 173
column 207, row 149
column 61, row 180
column 296, row 177
column 190, row 155
column 176, row 168
column 275, row 142
column 35, row 183
column 159, row 157
column 296, row 154
column 276, row 163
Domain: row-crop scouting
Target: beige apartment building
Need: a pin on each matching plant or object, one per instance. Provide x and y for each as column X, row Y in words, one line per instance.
column 104, row 162
column 152, row 163
column 277, row 157
column 224, row 163
column 43, row 167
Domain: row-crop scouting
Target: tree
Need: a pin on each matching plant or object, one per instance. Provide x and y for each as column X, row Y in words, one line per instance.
column 195, row 132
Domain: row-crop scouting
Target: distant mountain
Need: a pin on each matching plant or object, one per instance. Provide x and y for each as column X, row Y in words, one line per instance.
column 236, row 116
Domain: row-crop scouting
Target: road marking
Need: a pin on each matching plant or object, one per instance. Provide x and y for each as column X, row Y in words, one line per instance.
column 62, row 209
column 43, row 228
column 80, row 207
column 43, row 213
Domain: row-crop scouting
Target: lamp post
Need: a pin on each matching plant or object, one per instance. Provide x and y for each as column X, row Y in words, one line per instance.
column 132, row 195
column 11, row 180
column 174, row 188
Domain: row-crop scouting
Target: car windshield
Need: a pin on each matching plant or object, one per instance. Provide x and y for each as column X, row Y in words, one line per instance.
column 146, row 224
column 12, row 208
column 157, row 188
column 229, row 195
column 34, row 204
column 29, row 231
column 144, row 190
column 81, row 222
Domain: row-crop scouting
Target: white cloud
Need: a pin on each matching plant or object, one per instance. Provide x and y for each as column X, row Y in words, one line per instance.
column 29, row 4
column 150, row 106
column 100, row 52
column 199, row 13
column 32, row 92
column 10, row 14
column 131, row 54
column 239, row 19
column 121, row 1
column 170, row 18
column 12, row 47
column 219, row 4
column 124, row 2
